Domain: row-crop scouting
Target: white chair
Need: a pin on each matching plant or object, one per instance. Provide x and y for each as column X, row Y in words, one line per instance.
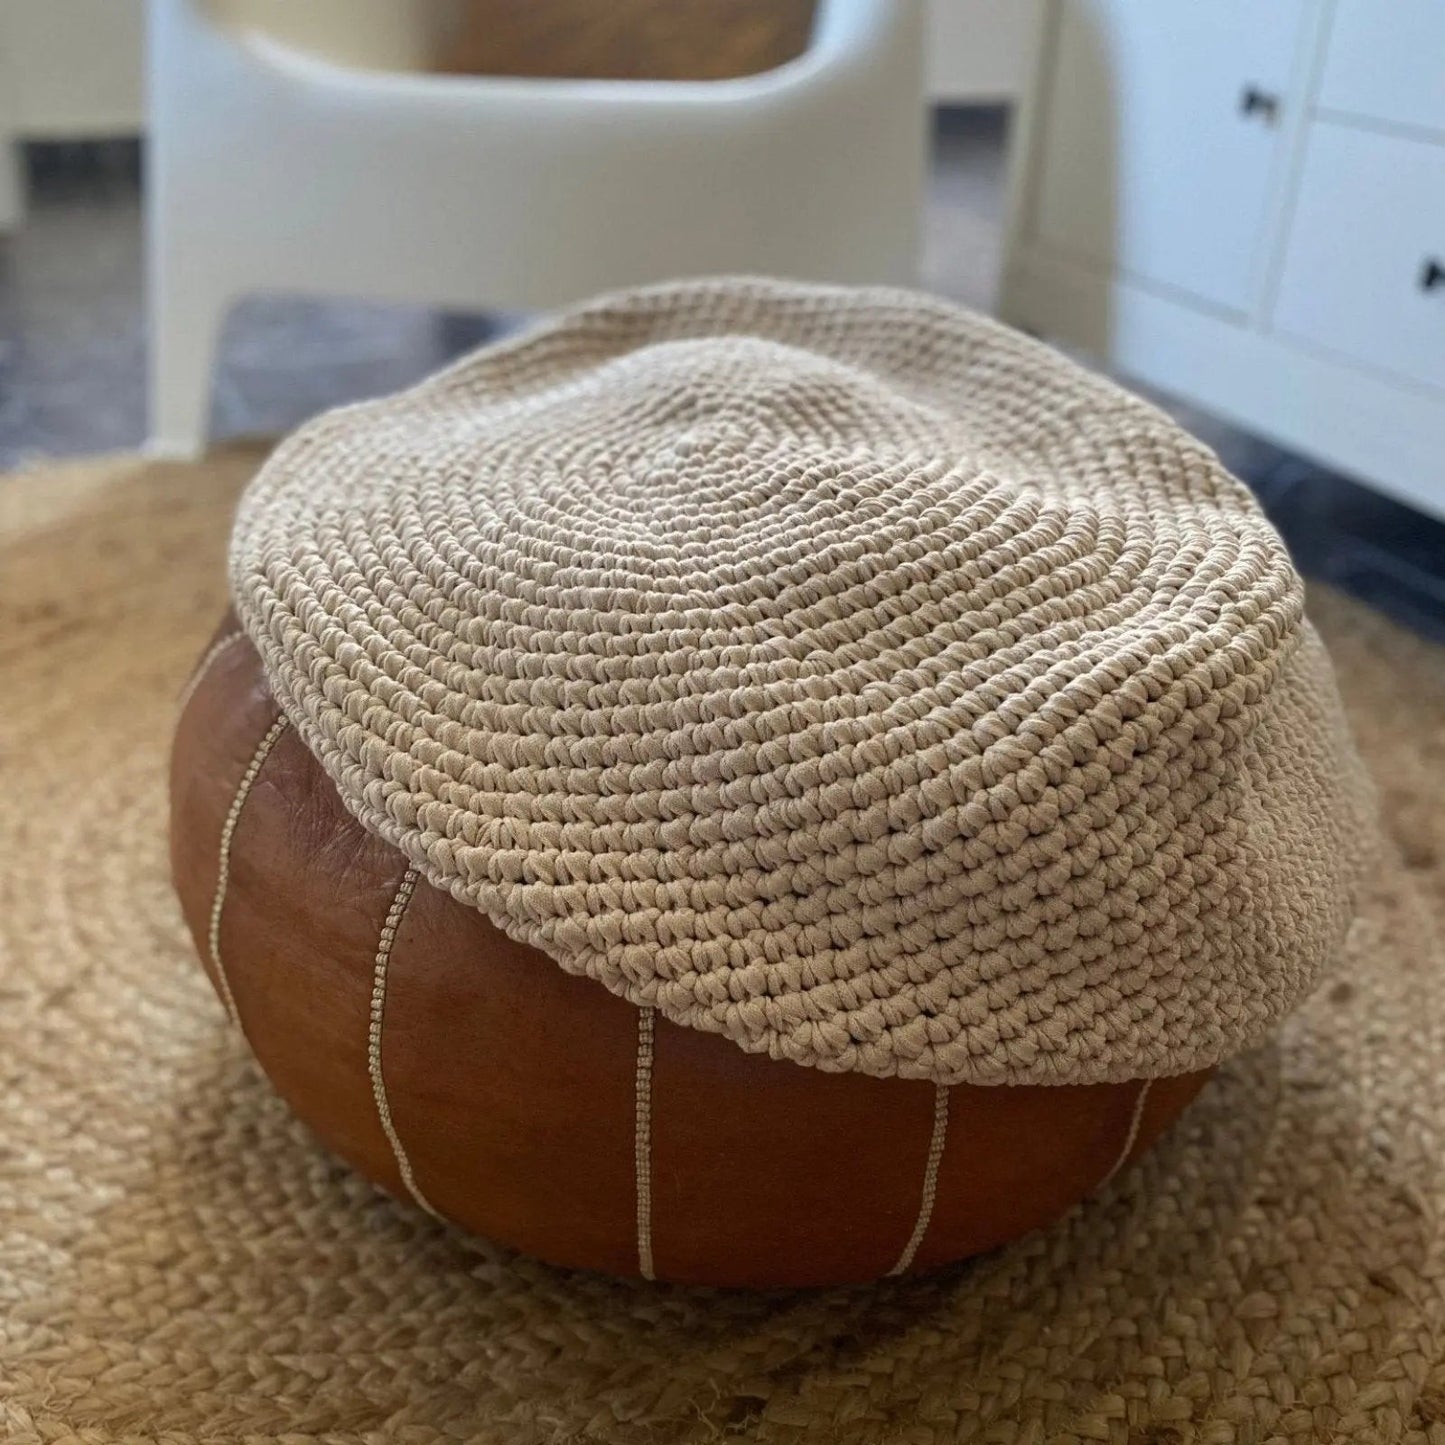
column 300, row 147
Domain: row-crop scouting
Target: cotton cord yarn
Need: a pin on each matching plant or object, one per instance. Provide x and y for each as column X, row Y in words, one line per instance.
column 834, row 670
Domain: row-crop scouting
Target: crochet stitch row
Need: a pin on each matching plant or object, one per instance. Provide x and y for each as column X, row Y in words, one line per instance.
column 836, row 671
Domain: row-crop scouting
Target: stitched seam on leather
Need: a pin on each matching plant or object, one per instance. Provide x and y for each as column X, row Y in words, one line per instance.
column 1132, row 1137
column 642, row 1142
column 203, row 667
column 929, row 1192
column 394, row 915
column 223, row 865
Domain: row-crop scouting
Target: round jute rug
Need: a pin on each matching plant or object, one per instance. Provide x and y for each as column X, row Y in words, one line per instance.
column 179, row 1261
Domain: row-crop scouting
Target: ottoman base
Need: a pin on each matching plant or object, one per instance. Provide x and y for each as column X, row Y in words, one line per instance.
column 470, row 1073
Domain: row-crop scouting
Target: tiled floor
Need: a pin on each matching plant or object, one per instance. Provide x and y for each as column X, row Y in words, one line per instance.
column 72, row 352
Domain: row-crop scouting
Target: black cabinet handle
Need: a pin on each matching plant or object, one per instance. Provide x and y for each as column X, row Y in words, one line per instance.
column 1264, row 104
column 1432, row 274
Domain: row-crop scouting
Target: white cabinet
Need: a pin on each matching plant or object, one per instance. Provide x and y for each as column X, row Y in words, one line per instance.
column 1243, row 202
column 1158, row 169
column 1386, row 62
column 1364, row 269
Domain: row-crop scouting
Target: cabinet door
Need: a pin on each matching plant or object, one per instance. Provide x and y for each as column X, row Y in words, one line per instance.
column 1364, row 270
column 1160, row 128
column 1386, row 61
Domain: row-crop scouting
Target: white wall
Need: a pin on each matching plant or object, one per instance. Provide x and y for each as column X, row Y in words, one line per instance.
column 978, row 49
column 73, row 67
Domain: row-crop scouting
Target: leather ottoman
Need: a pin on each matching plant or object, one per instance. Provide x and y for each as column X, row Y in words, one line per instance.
column 757, row 785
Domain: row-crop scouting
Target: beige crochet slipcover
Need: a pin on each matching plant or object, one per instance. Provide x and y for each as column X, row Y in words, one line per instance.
column 837, row 671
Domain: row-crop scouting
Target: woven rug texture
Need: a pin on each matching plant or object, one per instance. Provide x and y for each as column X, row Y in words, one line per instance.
column 181, row 1262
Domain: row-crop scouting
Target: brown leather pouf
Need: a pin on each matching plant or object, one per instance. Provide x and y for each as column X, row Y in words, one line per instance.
column 759, row 784
column 466, row 1071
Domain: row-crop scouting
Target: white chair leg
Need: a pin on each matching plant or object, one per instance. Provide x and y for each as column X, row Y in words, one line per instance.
column 185, row 324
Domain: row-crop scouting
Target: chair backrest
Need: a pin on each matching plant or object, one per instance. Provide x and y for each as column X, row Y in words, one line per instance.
column 368, row 34
column 628, row 39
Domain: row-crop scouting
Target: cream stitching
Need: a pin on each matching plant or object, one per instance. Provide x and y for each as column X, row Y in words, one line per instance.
column 642, row 1142
column 1131, row 1138
column 394, row 915
column 203, row 667
column 930, row 1179
column 223, row 866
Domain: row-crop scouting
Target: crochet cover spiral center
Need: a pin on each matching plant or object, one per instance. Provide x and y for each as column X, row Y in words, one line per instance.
column 836, row 671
